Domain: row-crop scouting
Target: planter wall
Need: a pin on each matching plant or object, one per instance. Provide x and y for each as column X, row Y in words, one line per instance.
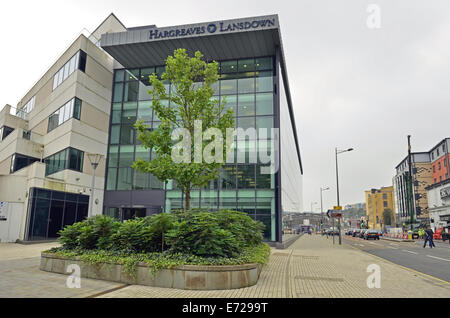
column 184, row 277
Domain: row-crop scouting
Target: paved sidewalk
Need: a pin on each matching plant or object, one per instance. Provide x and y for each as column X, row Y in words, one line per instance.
column 20, row 276
column 10, row 251
column 314, row 267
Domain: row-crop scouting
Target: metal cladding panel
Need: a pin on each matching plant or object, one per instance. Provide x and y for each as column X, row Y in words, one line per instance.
column 225, row 47
column 220, row 40
column 135, row 198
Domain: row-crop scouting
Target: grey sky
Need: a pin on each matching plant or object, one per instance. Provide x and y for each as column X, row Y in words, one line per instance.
column 351, row 86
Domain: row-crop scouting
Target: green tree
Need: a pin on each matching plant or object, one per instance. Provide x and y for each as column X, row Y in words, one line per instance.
column 192, row 101
column 387, row 217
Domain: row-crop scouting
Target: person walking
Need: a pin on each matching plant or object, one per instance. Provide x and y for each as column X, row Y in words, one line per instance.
column 429, row 238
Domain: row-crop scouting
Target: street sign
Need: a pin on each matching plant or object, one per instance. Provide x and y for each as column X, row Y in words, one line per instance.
column 338, row 208
column 334, row 214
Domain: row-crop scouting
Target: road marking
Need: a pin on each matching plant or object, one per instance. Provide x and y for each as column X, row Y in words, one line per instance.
column 394, row 244
column 394, row 248
column 442, row 259
column 410, row 252
column 404, row 267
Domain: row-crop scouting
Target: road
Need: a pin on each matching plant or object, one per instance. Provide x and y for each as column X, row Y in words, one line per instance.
column 434, row 262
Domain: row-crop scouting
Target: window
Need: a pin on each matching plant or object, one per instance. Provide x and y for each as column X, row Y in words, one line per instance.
column 27, row 108
column 78, row 61
column 20, row 161
column 69, row 158
column 72, row 109
column 51, row 211
column 434, row 168
column 5, row 131
column 437, row 152
column 385, row 204
column 439, row 165
column 26, row 134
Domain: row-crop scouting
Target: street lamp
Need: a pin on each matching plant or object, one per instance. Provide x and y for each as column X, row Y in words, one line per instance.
column 94, row 160
column 337, row 188
column 321, row 202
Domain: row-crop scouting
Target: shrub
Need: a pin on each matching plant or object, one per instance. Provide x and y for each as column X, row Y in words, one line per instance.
column 200, row 234
column 92, row 233
column 134, row 236
column 247, row 231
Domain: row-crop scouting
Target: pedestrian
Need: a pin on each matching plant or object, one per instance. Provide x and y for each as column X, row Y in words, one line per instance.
column 429, row 238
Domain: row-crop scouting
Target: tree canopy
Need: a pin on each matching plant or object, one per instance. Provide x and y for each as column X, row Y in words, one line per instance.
column 192, row 110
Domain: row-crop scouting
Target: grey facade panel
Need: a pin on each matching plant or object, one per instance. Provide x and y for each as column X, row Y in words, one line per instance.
column 130, row 199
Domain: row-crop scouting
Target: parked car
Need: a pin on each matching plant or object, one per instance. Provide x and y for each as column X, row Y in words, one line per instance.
column 371, row 234
column 356, row 233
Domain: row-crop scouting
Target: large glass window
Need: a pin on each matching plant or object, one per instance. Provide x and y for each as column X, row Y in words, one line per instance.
column 68, row 158
column 19, row 161
column 247, row 87
column 78, row 61
column 71, row 109
column 51, row 211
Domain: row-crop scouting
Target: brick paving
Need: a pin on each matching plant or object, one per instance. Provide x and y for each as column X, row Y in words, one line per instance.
column 313, row 267
column 20, row 276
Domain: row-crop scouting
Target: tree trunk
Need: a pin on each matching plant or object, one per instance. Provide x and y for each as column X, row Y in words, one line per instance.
column 187, row 198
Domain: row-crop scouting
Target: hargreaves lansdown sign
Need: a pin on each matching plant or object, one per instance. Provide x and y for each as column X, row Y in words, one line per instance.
column 212, row 28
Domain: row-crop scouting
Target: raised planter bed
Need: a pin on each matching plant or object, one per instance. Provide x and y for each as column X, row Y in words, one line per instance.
column 187, row 277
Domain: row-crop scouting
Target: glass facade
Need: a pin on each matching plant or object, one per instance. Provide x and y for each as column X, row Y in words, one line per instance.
column 72, row 109
column 247, row 87
column 291, row 174
column 51, row 211
column 69, row 158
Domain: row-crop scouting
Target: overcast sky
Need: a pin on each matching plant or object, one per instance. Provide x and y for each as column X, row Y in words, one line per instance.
column 351, row 86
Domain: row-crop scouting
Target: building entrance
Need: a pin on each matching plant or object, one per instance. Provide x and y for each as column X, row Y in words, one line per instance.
column 130, row 213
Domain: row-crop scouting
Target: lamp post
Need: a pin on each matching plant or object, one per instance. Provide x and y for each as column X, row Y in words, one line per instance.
column 321, row 202
column 94, row 160
column 337, row 188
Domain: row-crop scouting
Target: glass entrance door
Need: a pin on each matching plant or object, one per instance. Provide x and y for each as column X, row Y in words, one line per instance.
column 130, row 213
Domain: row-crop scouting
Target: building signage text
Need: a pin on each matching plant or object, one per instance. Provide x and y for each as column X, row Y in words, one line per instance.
column 445, row 193
column 211, row 28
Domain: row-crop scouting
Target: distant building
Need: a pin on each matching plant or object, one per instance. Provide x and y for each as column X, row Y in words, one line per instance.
column 422, row 177
column 430, row 172
column 377, row 201
column 439, row 190
column 356, row 206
